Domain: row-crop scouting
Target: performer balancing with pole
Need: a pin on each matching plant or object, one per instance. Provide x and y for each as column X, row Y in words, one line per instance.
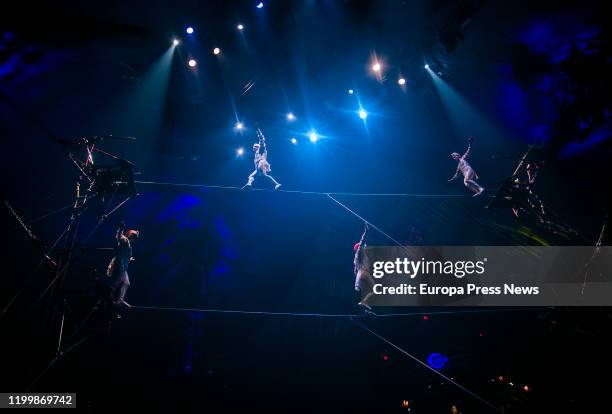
column 469, row 175
column 262, row 166
column 364, row 282
column 118, row 266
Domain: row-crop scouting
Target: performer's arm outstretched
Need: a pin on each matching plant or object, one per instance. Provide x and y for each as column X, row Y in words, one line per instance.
column 262, row 143
column 357, row 260
column 454, row 177
column 120, row 230
column 364, row 235
column 468, row 150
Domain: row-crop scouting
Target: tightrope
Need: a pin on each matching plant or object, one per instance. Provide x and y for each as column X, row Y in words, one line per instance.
column 327, row 315
column 222, row 187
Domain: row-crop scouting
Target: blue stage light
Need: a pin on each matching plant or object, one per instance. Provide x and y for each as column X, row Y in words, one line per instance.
column 239, row 126
column 260, row 5
column 293, row 140
column 216, row 51
column 189, row 30
column 437, row 361
column 240, row 27
column 240, row 152
column 401, row 81
column 192, row 63
column 313, row 136
column 426, row 66
column 290, row 116
column 175, row 42
column 350, row 91
column 363, row 114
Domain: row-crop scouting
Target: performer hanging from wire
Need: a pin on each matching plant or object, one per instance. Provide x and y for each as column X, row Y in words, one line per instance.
column 262, row 166
column 364, row 282
column 469, row 175
column 118, row 266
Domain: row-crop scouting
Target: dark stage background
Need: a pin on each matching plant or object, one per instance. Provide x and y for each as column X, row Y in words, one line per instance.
column 509, row 74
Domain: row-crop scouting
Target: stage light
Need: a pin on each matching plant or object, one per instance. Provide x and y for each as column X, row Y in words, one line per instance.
column 426, row 66
column 260, row 5
column 385, row 357
column 363, row 114
column 175, row 42
column 376, row 67
column 401, row 81
column 313, row 136
column 437, row 361
column 350, row 91
column 240, row 27
column 240, row 151
column 189, row 30
column 216, row 51
column 526, row 388
column 293, row 140
column 425, row 317
column 239, row 126
column 192, row 63
column 290, row 117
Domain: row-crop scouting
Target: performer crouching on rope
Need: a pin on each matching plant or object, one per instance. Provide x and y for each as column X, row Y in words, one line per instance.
column 262, row 166
column 118, row 266
column 469, row 175
column 364, row 282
